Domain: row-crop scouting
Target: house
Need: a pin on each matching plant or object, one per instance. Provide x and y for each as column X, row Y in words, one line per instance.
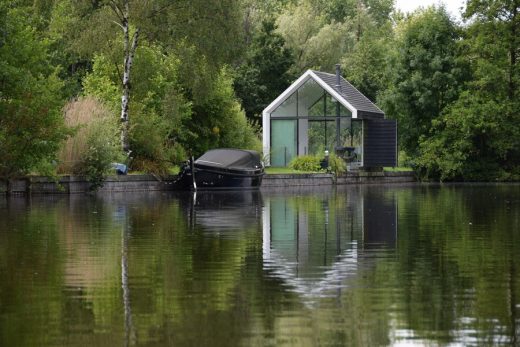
column 323, row 112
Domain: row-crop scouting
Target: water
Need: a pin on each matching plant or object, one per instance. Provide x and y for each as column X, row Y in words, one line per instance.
column 357, row 266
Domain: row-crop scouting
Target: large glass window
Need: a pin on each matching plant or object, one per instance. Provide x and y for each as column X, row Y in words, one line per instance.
column 288, row 108
column 322, row 136
column 326, row 105
column 352, row 138
column 283, row 142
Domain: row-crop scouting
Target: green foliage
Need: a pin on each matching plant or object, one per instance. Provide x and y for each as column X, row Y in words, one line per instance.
column 345, row 10
column 160, row 112
column 427, row 74
column 368, row 65
column 312, row 163
column 100, row 83
column 95, row 142
column 85, row 116
column 336, row 165
column 219, row 121
column 265, row 73
column 475, row 138
column 478, row 137
column 102, row 149
column 31, row 126
column 453, row 90
column 315, row 43
column 308, row 163
column 151, row 149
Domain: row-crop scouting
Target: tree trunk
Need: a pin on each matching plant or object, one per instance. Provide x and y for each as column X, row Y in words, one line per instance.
column 513, row 50
column 129, row 52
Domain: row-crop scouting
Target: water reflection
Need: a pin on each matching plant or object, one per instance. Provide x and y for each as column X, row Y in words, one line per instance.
column 220, row 211
column 314, row 241
column 357, row 266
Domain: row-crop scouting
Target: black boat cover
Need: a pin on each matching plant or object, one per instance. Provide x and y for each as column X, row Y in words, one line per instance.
column 231, row 158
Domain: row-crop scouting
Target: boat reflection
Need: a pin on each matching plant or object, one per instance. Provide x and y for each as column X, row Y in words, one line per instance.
column 218, row 211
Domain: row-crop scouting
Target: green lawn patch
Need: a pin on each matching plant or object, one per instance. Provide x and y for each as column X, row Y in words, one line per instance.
column 283, row 170
column 397, row 169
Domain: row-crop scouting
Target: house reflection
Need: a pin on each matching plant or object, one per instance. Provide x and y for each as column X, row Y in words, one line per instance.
column 315, row 242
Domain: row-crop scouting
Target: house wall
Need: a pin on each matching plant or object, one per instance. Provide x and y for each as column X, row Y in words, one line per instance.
column 380, row 143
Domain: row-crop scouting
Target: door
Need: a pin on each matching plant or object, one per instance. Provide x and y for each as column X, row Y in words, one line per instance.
column 283, row 142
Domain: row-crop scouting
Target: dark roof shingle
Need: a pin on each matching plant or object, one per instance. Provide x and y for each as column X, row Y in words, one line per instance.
column 349, row 93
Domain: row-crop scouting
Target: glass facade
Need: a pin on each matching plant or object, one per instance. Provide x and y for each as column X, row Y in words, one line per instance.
column 288, row 108
column 306, row 123
column 283, row 141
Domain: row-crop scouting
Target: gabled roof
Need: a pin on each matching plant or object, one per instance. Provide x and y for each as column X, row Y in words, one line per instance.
column 349, row 96
column 350, row 93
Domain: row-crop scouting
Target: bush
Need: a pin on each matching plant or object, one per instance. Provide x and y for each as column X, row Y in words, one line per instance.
column 95, row 144
column 307, row 163
column 336, row 165
column 219, row 120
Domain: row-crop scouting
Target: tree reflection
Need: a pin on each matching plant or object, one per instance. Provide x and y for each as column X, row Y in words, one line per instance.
column 366, row 265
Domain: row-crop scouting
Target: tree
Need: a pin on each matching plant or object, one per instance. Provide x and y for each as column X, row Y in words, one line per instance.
column 122, row 12
column 428, row 74
column 315, row 42
column 265, row 73
column 479, row 135
column 343, row 10
column 219, row 121
column 31, row 126
column 368, row 66
column 320, row 32
column 197, row 30
column 160, row 111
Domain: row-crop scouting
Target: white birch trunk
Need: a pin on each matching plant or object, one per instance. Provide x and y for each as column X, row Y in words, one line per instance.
column 129, row 52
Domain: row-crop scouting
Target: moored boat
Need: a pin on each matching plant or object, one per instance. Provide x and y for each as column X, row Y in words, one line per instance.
column 223, row 168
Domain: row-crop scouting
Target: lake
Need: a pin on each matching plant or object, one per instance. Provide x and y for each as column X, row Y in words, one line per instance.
column 403, row 265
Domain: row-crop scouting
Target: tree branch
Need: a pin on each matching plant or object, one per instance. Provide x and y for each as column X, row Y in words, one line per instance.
column 117, row 10
column 118, row 24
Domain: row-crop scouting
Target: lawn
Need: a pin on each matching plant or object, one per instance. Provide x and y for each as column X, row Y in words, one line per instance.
column 283, row 170
column 397, row 169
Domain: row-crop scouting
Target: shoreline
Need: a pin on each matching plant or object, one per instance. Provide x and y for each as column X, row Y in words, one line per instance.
column 38, row 185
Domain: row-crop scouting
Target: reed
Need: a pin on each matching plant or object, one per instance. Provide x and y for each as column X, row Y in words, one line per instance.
column 82, row 115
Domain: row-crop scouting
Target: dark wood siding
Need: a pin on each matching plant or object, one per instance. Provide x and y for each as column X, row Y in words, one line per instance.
column 380, row 142
column 379, row 219
column 370, row 115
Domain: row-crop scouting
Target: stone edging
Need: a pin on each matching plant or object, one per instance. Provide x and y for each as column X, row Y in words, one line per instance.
column 292, row 180
column 134, row 183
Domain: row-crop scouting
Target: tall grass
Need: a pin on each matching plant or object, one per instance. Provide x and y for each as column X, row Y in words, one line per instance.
column 87, row 116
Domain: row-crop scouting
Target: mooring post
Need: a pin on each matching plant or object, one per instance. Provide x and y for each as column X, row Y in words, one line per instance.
column 192, row 164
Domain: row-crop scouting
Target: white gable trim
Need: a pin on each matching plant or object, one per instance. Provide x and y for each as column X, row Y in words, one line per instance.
column 291, row 89
column 266, row 137
column 298, row 83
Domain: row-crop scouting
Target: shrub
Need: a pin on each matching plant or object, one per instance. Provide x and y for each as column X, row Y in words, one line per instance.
column 219, row 120
column 308, row 163
column 336, row 165
column 95, row 144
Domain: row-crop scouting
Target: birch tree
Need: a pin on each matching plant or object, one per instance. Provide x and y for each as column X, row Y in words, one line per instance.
column 122, row 12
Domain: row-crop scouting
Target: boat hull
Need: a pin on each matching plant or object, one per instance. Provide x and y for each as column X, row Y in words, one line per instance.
column 223, row 180
column 223, row 168
column 206, row 179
